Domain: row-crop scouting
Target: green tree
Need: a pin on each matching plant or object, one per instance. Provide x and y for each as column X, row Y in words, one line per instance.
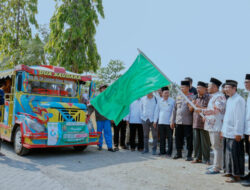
column 33, row 49
column 73, row 28
column 16, row 16
column 242, row 92
column 110, row 73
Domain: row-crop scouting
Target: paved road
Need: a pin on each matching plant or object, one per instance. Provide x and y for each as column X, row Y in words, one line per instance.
column 65, row 169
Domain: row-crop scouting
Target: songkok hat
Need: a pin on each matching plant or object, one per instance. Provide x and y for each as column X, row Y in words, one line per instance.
column 164, row 88
column 185, row 83
column 200, row 83
column 232, row 83
column 206, row 85
column 215, row 81
column 189, row 79
column 247, row 76
column 103, row 86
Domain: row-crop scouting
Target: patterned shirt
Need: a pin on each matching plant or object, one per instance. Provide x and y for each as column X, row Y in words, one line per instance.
column 181, row 114
column 215, row 112
column 202, row 101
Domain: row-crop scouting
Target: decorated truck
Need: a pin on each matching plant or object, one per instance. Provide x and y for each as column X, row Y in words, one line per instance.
column 43, row 109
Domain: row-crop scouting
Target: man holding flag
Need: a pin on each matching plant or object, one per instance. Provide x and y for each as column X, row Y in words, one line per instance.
column 142, row 78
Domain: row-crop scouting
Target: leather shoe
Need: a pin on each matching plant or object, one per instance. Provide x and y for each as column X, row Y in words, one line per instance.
column 145, row 152
column 111, row 150
column 189, row 159
column 177, row 156
column 245, row 183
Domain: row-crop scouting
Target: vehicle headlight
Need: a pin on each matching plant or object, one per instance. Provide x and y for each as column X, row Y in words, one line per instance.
column 35, row 125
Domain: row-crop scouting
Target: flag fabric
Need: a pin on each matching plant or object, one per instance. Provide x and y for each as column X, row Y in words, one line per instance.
column 92, row 90
column 140, row 79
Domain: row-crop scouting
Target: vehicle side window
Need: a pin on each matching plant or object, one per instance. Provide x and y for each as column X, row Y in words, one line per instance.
column 19, row 81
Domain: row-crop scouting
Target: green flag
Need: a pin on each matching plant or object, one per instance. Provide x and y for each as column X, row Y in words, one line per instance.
column 140, row 79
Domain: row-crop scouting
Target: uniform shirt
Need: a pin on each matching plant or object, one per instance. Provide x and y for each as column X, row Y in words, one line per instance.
column 247, row 122
column 201, row 101
column 148, row 107
column 234, row 118
column 134, row 115
column 215, row 112
column 181, row 114
column 164, row 111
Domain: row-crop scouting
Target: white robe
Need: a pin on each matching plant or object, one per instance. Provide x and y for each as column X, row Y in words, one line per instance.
column 234, row 119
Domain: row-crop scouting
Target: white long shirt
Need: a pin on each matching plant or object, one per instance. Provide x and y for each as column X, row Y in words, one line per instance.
column 164, row 111
column 148, row 107
column 247, row 121
column 134, row 115
column 234, row 119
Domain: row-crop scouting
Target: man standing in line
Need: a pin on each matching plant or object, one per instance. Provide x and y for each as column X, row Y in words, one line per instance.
column 148, row 107
column 192, row 89
column 213, row 123
column 164, row 110
column 233, row 130
column 246, row 181
column 120, row 134
column 183, row 118
column 135, row 125
column 103, row 125
column 201, row 137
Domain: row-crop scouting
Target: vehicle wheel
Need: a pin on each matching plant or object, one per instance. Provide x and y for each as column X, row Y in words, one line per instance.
column 80, row 148
column 18, row 147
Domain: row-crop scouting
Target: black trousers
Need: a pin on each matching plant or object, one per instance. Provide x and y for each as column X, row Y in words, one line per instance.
column 181, row 132
column 166, row 132
column 235, row 157
column 120, row 133
column 247, row 148
column 136, row 129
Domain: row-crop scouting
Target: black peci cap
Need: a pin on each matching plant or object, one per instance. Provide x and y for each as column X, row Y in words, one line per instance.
column 164, row 88
column 185, row 83
column 216, row 81
column 203, row 84
column 232, row 83
column 103, row 86
column 247, row 76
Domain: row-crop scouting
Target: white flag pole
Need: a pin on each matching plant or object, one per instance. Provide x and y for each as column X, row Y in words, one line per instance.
column 175, row 85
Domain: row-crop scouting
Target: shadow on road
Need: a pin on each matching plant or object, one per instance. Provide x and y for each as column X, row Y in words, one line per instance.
column 71, row 160
column 18, row 164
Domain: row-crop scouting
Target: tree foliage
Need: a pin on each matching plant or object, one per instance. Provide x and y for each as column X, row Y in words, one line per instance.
column 111, row 72
column 33, row 49
column 16, row 16
column 73, row 28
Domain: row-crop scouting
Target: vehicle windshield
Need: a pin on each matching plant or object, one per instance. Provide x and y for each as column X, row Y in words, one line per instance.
column 52, row 86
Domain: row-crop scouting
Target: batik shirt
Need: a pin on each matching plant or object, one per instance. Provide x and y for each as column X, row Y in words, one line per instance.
column 214, row 113
column 198, row 122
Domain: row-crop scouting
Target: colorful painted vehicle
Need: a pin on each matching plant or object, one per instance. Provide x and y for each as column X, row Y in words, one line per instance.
column 44, row 109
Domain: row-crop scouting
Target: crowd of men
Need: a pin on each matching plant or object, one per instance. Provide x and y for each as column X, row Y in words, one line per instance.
column 213, row 118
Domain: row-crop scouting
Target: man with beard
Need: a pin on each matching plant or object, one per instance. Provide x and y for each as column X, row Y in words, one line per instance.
column 232, row 131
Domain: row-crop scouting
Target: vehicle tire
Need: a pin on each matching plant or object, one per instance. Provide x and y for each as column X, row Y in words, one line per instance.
column 80, row 148
column 18, row 147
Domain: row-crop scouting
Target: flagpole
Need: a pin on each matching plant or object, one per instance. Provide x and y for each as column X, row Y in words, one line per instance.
column 177, row 88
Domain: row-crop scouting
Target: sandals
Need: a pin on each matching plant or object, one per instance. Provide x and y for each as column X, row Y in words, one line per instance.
column 196, row 161
column 212, row 172
column 227, row 175
column 233, row 179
